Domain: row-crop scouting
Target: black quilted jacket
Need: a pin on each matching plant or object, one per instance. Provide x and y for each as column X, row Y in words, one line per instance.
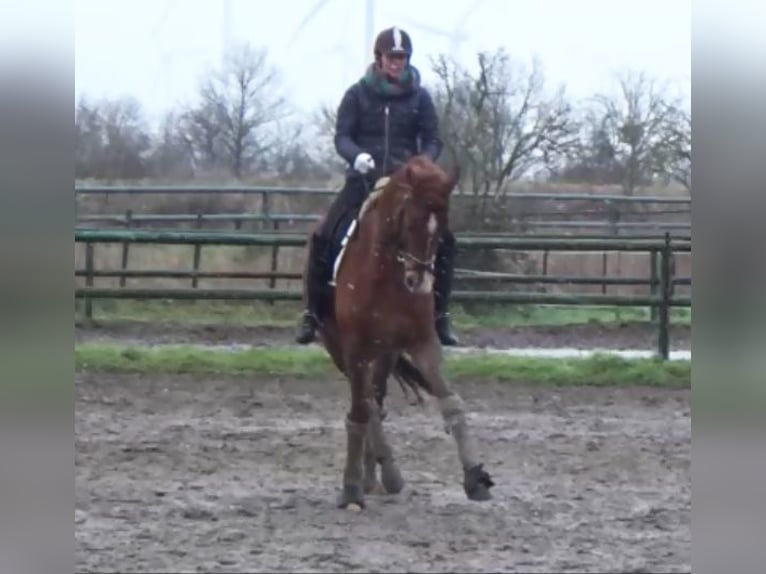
column 390, row 127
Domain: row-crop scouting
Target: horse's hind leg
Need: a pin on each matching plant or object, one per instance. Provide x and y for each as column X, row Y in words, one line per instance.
column 391, row 476
column 476, row 481
column 371, row 483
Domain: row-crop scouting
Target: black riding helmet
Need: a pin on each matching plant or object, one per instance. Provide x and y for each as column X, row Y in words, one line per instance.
column 393, row 41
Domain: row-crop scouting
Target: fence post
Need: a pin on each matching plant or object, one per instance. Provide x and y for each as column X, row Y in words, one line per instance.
column 89, row 247
column 126, row 245
column 654, row 283
column 197, row 254
column 672, row 273
column 265, row 211
column 614, row 216
column 663, row 341
column 274, row 260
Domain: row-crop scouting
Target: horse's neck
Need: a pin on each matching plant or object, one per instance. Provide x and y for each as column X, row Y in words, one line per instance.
column 373, row 233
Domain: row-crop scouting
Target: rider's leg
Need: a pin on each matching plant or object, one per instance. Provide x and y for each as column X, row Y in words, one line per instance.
column 444, row 271
column 318, row 272
column 315, row 285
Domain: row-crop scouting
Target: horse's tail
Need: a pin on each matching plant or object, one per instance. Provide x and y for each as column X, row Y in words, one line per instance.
column 408, row 375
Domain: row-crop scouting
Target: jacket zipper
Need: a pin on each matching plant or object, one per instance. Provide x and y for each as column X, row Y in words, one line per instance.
column 385, row 156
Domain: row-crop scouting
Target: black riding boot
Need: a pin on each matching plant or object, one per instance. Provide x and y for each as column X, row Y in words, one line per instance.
column 315, row 285
column 444, row 270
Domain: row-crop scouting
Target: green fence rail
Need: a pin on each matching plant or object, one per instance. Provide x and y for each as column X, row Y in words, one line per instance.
column 206, row 237
column 86, row 189
column 607, row 218
column 661, row 279
column 130, row 219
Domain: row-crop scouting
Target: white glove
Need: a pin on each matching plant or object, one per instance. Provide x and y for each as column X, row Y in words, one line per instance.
column 364, row 163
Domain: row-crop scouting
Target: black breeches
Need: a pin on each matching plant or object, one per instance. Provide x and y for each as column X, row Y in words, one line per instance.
column 345, row 206
column 444, row 270
column 446, row 247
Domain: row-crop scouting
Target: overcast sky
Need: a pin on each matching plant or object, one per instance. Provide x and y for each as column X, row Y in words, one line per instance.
column 156, row 50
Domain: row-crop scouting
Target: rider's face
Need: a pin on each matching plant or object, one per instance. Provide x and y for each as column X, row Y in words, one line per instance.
column 393, row 64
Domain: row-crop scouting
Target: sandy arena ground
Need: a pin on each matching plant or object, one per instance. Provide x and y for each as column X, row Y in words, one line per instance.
column 192, row 474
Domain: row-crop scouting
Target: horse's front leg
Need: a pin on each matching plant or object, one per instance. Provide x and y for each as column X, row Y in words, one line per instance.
column 476, row 481
column 357, row 419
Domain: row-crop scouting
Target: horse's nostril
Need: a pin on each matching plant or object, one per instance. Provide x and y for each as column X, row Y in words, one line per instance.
column 409, row 281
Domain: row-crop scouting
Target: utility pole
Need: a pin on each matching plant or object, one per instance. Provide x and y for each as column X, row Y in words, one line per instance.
column 369, row 31
column 226, row 34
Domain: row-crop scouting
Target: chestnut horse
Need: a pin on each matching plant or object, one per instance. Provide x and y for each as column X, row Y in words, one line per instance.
column 379, row 320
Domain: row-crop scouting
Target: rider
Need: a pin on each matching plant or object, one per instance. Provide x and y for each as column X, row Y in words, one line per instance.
column 383, row 119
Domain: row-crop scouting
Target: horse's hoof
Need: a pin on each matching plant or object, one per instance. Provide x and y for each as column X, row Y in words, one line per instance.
column 391, row 477
column 370, row 479
column 376, row 488
column 477, row 483
column 372, row 487
column 351, row 498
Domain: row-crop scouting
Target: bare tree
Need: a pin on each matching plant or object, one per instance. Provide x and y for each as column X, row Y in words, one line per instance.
column 325, row 118
column 592, row 160
column 201, row 132
column 675, row 159
column 233, row 124
column 635, row 125
column 173, row 154
column 500, row 124
column 89, row 140
column 323, row 150
column 112, row 139
column 293, row 157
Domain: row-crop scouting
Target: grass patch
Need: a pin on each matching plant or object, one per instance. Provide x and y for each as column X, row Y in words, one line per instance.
column 189, row 360
column 285, row 314
column 552, row 315
column 603, row 370
column 598, row 370
column 280, row 314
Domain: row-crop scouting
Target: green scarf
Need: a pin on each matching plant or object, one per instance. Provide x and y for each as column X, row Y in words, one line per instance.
column 409, row 80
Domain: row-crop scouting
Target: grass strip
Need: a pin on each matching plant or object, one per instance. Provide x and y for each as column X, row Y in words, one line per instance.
column 286, row 313
column 598, row 370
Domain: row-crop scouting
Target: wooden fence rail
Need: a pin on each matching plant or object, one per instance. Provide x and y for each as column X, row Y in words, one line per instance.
column 273, row 221
column 606, row 216
column 661, row 276
column 488, row 277
column 87, row 189
column 520, row 242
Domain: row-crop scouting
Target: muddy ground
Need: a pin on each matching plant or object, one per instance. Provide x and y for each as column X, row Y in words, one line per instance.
column 585, row 336
column 190, row 474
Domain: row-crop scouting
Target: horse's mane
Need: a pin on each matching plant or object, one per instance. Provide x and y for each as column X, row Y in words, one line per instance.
column 419, row 173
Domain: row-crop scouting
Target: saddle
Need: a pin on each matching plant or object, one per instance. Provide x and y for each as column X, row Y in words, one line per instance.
column 345, row 231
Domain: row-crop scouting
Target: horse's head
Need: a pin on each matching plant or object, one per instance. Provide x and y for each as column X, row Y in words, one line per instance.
column 417, row 211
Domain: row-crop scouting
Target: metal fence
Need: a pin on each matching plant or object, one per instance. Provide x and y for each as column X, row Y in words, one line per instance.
column 660, row 277
column 607, row 218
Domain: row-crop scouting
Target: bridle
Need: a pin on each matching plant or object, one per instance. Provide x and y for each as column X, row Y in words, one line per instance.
column 402, row 256
column 420, row 265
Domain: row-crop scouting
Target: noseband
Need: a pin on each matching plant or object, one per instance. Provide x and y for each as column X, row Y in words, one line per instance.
column 420, row 265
